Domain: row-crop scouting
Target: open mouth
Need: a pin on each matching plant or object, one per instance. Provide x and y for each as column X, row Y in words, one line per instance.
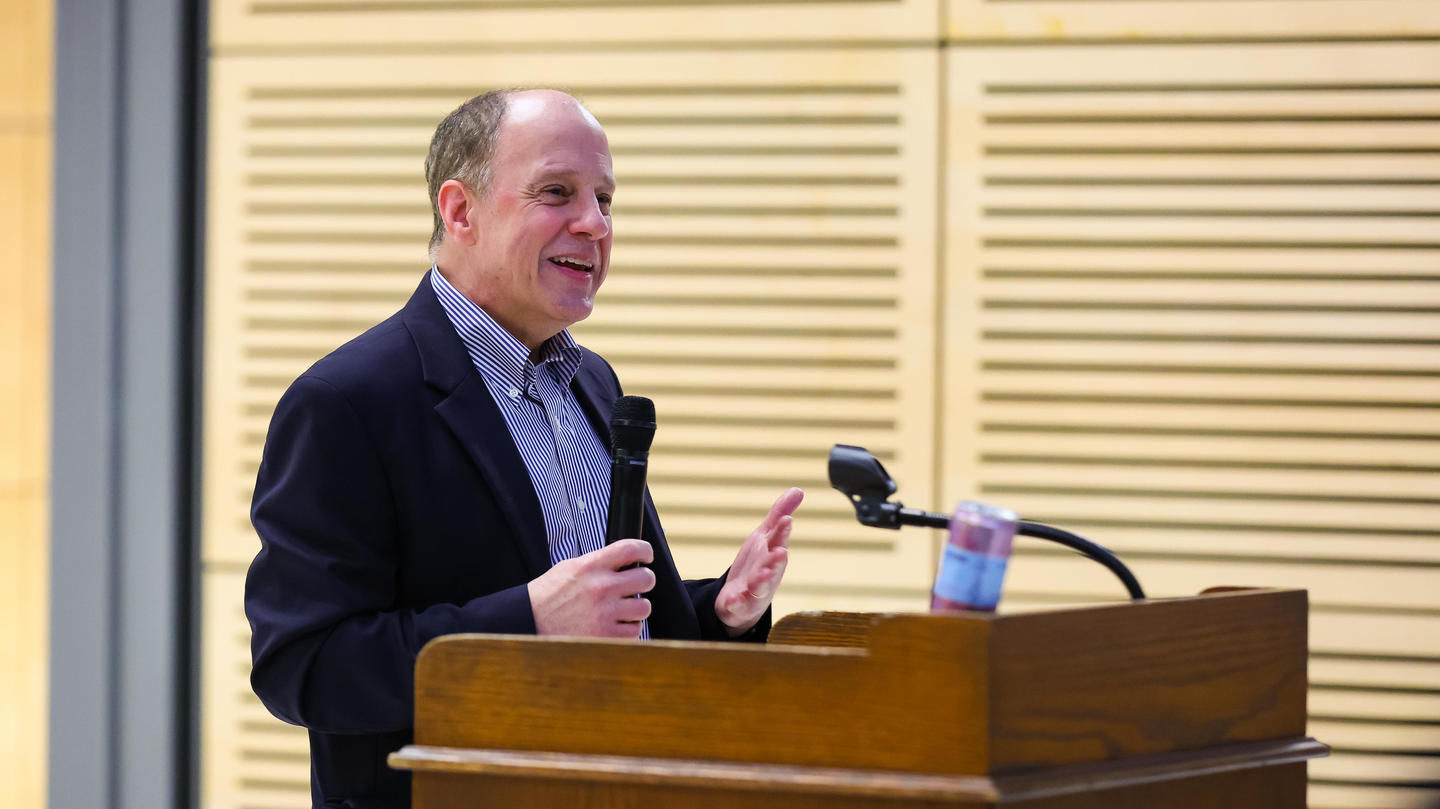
column 575, row 264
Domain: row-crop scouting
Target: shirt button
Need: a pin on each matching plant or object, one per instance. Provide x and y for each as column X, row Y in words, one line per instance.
column 580, row 504
column 514, row 392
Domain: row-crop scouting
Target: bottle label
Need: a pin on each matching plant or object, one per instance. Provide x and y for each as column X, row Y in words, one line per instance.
column 972, row 580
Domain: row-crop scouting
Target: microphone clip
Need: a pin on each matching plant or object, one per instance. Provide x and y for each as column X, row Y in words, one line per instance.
column 861, row 478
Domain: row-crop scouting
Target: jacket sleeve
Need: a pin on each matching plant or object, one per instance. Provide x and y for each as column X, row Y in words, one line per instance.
column 331, row 649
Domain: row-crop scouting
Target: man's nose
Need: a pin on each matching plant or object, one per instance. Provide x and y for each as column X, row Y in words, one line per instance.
column 590, row 221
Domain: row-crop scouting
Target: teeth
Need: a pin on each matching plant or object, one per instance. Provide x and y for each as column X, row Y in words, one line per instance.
column 573, row 262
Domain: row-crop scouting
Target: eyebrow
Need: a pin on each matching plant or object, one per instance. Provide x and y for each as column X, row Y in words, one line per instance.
column 548, row 173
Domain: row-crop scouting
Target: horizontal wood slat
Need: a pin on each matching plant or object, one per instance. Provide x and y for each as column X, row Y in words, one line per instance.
column 300, row 24
column 1188, row 19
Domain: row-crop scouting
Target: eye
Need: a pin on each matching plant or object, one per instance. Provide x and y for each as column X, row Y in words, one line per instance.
column 555, row 191
column 604, row 200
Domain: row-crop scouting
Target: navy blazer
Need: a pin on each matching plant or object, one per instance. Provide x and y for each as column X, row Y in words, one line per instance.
column 392, row 508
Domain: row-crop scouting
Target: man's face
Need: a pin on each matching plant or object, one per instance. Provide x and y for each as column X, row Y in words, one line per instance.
column 543, row 227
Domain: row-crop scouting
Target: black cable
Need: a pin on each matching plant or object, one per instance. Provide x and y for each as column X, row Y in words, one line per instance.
column 1086, row 547
column 927, row 519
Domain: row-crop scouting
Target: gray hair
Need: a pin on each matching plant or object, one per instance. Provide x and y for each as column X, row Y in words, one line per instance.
column 462, row 149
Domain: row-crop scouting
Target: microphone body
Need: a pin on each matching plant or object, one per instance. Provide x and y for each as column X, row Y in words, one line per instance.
column 632, row 429
column 627, row 496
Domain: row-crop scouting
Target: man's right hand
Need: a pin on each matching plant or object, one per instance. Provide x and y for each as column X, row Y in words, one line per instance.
column 591, row 595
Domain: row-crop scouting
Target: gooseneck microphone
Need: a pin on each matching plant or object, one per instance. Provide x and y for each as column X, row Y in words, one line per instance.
column 632, row 428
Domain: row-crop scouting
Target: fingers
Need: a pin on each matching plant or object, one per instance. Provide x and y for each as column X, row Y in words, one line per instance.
column 775, row 567
column 624, row 615
column 623, row 553
column 595, row 594
column 787, row 502
column 780, row 536
column 782, row 508
column 632, row 610
column 630, row 582
column 765, row 580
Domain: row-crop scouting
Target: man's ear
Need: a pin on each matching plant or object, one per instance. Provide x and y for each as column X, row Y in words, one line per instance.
column 457, row 210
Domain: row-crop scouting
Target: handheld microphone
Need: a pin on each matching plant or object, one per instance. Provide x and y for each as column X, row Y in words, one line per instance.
column 632, row 429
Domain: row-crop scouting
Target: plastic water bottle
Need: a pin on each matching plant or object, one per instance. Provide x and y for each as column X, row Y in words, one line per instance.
column 972, row 568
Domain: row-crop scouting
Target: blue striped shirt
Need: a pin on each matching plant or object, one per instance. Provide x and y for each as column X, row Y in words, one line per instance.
column 568, row 463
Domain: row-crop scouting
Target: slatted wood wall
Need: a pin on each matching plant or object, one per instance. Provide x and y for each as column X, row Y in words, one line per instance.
column 25, row 141
column 1165, row 272
column 1204, row 296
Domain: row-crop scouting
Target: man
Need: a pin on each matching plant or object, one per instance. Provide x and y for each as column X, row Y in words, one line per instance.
column 447, row 470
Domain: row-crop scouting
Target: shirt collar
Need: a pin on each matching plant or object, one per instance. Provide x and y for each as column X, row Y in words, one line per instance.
column 496, row 353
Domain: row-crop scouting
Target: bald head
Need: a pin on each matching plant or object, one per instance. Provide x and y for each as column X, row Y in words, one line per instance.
column 523, row 107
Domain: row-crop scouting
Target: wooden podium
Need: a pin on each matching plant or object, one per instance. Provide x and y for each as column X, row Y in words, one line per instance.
column 1192, row 702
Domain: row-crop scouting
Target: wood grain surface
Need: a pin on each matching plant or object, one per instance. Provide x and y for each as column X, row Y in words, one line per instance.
column 690, row 773
column 1258, row 774
column 843, row 629
column 1109, row 682
column 449, row 790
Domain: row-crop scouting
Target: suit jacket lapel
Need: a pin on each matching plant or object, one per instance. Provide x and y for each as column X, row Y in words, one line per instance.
column 471, row 414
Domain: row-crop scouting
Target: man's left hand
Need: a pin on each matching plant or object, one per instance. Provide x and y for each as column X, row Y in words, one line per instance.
column 758, row 568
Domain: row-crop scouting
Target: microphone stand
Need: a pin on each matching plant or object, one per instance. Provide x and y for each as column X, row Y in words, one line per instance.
column 861, row 478
column 930, row 519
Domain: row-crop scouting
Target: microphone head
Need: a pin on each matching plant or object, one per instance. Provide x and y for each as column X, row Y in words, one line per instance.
column 632, row 424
